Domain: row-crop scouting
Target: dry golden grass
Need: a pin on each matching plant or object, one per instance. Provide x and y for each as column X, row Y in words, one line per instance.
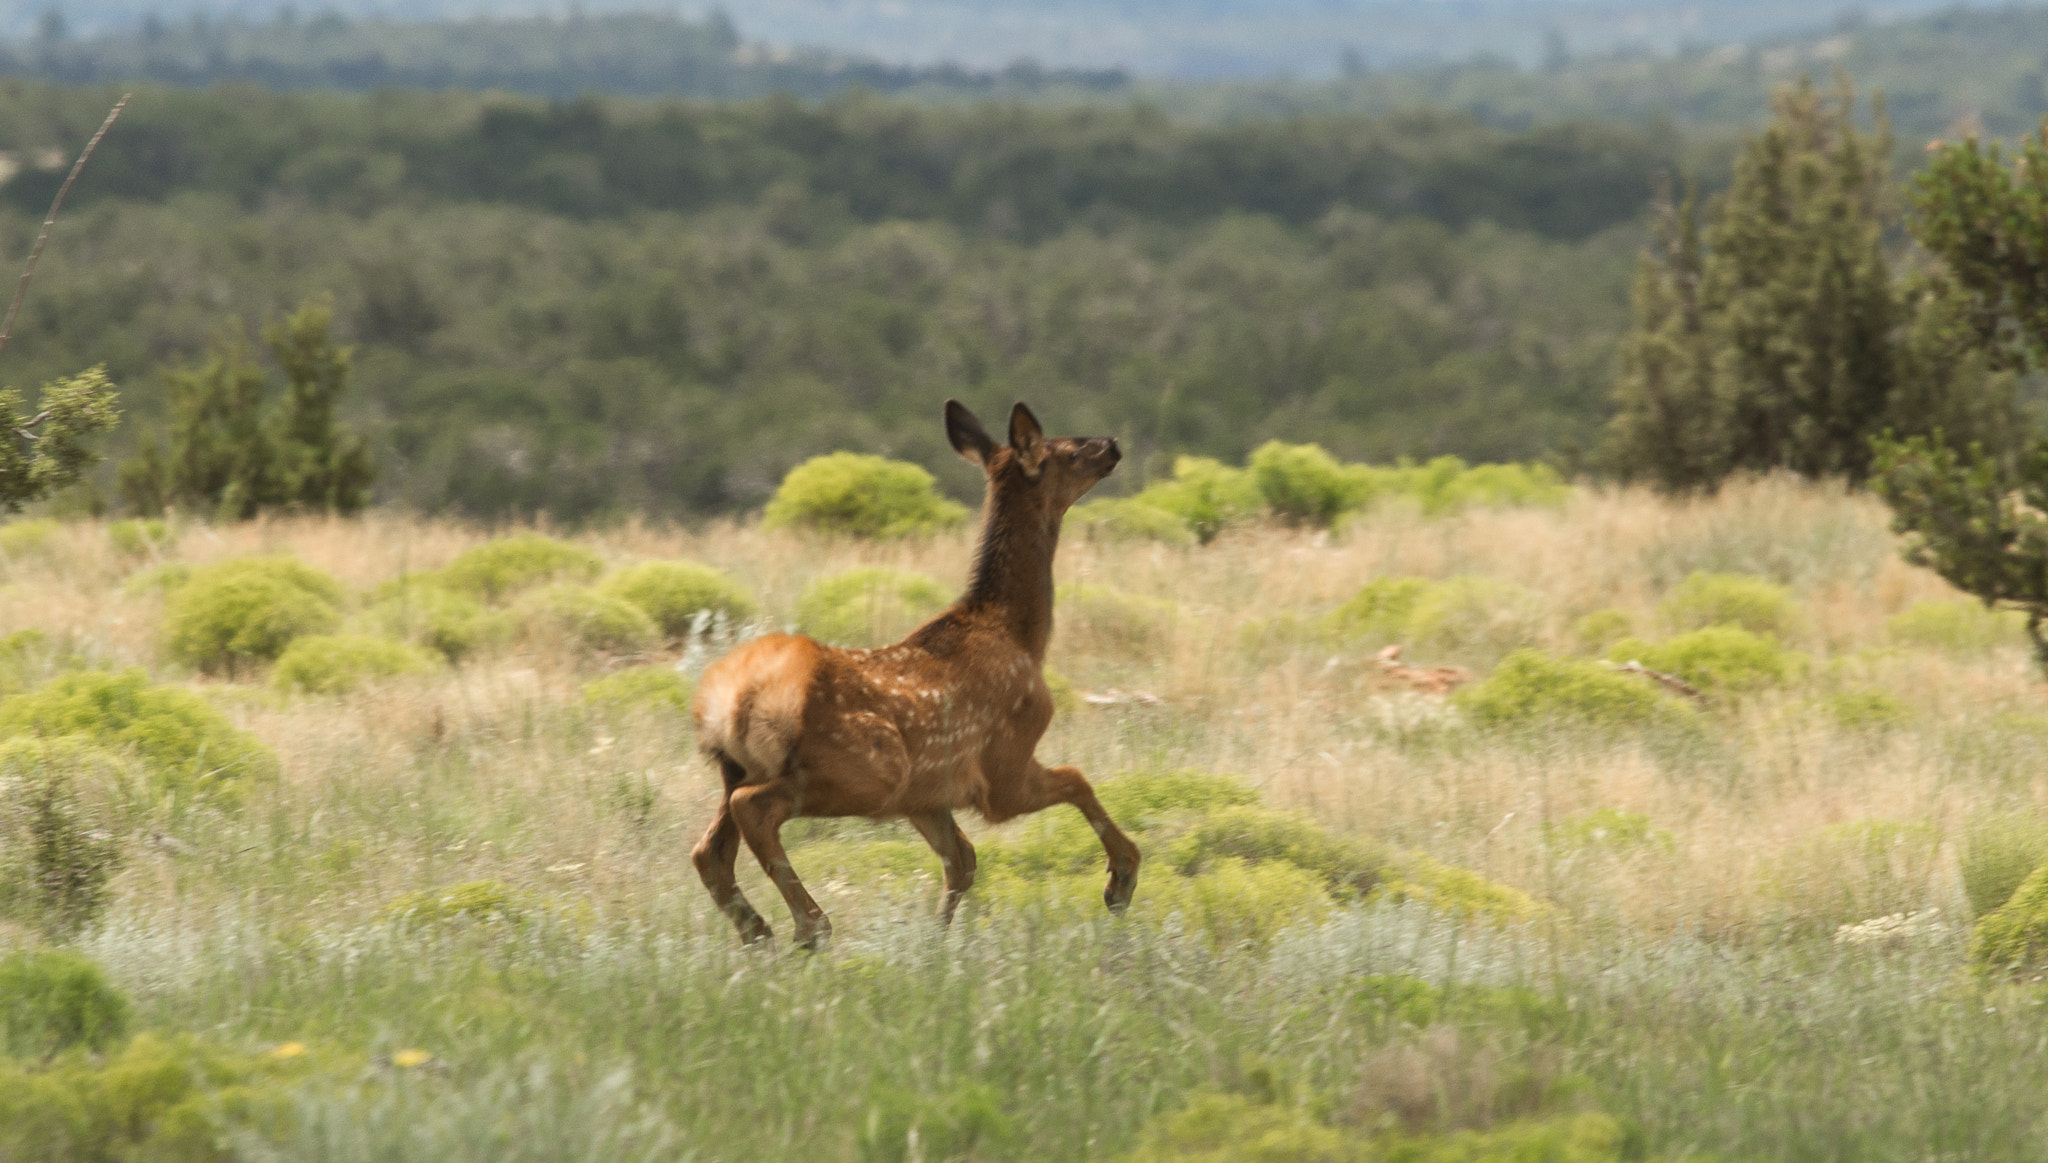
column 493, row 769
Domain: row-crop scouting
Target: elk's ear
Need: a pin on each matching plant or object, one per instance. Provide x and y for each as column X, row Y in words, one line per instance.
column 1027, row 438
column 969, row 438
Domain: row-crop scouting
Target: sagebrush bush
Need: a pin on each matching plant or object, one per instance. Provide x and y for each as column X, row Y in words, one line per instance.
column 1725, row 658
column 26, row 537
column 1476, row 618
column 186, row 745
column 60, row 799
column 161, row 580
column 333, row 664
column 423, row 612
column 1593, row 633
column 154, row 1098
column 966, row 1122
column 1349, row 868
column 1605, row 830
column 858, row 495
column 2000, row 849
column 1227, row 1128
column 1447, row 484
column 1730, row 599
column 1448, row 888
column 658, row 687
column 1853, row 871
column 1127, row 519
column 488, row 902
column 1207, row 495
column 1532, row 689
column 54, row 999
column 673, row 593
column 868, row 606
column 1379, row 612
column 1957, row 625
column 138, row 537
column 498, row 569
column 2012, row 940
column 228, row 615
column 1107, row 618
column 1865, row 710
column 586, row 618
column 1301, row 483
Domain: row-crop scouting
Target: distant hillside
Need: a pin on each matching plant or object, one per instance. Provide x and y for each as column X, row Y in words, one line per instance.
column 627, row 54
column 1941, row 75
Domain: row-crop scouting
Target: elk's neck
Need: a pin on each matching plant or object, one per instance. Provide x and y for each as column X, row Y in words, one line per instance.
column 1012, row 576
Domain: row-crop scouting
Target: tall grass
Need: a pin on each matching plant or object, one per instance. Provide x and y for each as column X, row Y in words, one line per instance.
column 1689, row 986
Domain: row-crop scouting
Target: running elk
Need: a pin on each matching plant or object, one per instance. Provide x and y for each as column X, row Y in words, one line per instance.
column 947, row 718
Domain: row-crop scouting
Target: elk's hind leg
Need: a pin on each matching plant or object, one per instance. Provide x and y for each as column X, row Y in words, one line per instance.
column 715, row 855
column 1042, row 787
column 956, row 856
column 760, row 810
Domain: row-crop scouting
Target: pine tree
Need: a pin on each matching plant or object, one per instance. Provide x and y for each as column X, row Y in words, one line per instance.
column 315, row 465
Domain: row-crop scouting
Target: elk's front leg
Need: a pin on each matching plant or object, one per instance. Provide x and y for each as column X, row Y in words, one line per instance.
column 760, row 810
column 1042, row 787
column 956, row 856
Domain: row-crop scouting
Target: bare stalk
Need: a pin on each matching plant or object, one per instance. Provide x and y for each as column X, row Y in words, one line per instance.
column 29, row 272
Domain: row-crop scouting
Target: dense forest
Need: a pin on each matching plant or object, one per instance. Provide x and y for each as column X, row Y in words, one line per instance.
column 605, row 306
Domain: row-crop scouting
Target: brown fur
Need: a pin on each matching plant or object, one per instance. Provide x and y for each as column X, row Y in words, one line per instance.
column 948, row 718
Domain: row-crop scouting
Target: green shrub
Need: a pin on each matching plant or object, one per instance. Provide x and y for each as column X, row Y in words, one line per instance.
column 1128, row 519
column 1478, row 617
column 246, row 610
column 1065, row 699
column 157, row 579
column 1730, row 599
column 1142, row 800
column 868, row 606
column 1866, row 710
column 333, row 664
column 498, row 569
column 1717, row 658
column 1230, row 902
column 673, row 593
column 187, row 745
column 423, row 612
column 1446, row 485
column 54, row 999
column 1229, row 1128
column 1104, row 618
column 59, row 802
column 1207, row 495
column 1302, row 484
column 967, row 1122
column 1530, row 689
column 1854, row 871
column 2000, row 849
column 156, row 1099
column 487, row 902
column 1379, row 611
column 137, row 537
column 1605, row 830
column 1390, row 1001
column 857, row 495
column 1448, row 888
column 587, row 618
column 1256, row 835
column 27, row 537
column 1958, row 625
column 2012, row 940
column 1593, row 633
column 658, row 687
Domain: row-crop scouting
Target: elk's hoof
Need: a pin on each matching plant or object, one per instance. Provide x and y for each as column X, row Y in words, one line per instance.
column 1121, row 885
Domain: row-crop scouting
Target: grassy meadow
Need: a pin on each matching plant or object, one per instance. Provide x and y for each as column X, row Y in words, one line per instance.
column 1578, row 918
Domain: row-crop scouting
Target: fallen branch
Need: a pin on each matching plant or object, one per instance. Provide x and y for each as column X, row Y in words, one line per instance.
column 1670, row 682
column 1117, row 698
column 36, row 252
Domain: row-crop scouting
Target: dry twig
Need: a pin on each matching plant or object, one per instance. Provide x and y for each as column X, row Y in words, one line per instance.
column 1430, row 680
column 1670, row 682
column 29, row 271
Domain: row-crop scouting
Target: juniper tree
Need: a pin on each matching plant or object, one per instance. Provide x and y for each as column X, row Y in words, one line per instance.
column 48, row 451
column 1767, row 339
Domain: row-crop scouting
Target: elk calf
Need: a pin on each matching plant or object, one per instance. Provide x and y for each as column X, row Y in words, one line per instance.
column 948, row 718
